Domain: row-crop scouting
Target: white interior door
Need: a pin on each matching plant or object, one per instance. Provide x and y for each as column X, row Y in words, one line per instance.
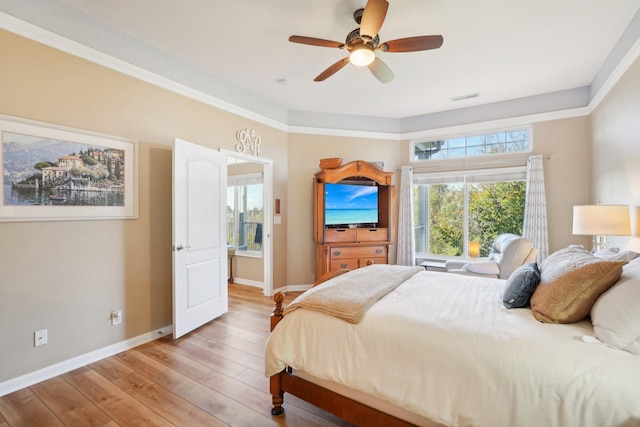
column 199, row 236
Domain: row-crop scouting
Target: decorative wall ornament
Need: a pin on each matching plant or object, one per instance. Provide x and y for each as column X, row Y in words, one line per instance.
column 249, row 142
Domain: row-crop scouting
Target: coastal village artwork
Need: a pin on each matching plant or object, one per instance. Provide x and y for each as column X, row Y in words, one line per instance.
column 40, row 171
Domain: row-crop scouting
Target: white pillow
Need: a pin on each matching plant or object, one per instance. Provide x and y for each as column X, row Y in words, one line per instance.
column 485, row 267
column 616, row 313
column 614, row 254
column 607, row 253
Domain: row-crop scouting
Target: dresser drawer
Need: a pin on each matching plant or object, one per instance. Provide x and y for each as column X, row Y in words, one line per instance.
column 343, row 252
column 340, row 235
column 351, row 264
column 371, row 234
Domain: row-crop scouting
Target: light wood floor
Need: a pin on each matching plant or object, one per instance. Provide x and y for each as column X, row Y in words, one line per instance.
column 211, row 377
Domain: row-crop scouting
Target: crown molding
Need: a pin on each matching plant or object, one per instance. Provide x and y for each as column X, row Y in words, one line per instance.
column 622, row 67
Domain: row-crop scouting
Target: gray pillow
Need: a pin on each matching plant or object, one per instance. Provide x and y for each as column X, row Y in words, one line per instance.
column 521, row 285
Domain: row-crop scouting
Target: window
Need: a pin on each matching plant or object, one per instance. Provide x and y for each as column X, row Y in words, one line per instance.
column 452, row 209
column 245, row 212
column 509, row 141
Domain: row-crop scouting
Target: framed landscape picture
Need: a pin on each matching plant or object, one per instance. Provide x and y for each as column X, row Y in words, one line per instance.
column 52, row 173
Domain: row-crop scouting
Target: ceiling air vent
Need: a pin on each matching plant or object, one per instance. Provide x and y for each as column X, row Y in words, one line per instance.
column 467, row 96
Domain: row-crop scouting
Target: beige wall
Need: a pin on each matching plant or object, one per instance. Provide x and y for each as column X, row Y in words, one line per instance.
column 68, row 276
column 616, row 151
column 566, row 174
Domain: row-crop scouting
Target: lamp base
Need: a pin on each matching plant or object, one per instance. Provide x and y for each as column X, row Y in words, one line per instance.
column 599, row 243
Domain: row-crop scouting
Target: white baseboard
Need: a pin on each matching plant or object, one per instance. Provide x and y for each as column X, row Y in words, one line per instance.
column 43, row 374
column 290, row 288
column 254, row 283
column 293, row 288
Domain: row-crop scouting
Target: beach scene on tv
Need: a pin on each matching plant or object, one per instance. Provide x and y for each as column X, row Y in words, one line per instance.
column 347, row 204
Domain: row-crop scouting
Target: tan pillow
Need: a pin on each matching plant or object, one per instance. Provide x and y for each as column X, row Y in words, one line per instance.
column 571, row 280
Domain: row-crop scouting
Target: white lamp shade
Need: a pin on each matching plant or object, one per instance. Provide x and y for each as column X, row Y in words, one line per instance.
column 606, row 220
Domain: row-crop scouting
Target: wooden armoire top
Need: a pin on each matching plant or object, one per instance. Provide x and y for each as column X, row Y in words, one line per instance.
column 354, row 170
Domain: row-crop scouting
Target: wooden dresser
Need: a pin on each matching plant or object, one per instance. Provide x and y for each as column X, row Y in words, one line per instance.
column 338, row 248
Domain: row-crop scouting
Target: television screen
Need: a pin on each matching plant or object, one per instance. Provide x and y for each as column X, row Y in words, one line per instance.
column 350, row 204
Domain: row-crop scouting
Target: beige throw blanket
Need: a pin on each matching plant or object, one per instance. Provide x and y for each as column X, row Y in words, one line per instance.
column 350, row 295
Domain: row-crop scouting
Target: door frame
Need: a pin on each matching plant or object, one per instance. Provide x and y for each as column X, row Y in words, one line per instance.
column 267, row 209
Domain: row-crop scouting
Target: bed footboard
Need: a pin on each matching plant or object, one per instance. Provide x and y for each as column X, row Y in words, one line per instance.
column 344, row 407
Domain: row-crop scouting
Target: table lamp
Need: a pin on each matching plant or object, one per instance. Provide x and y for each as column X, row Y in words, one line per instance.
column 600, row 221
column 474, row 250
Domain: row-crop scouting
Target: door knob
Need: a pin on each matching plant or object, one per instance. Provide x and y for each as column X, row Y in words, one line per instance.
column 180, row 247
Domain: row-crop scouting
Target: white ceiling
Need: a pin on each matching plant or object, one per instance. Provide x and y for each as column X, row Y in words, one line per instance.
column 500, row 49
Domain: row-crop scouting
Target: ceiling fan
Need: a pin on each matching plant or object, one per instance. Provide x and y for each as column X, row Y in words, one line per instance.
column 362, row 43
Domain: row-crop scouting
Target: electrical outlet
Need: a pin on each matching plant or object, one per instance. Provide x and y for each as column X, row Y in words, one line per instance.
column 116, row 317
column 40, row 337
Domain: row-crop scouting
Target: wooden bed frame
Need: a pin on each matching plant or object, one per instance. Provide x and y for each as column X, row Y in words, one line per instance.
column 342, row 406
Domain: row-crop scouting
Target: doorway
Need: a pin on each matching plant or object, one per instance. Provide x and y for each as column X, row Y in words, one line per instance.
column 250, row 260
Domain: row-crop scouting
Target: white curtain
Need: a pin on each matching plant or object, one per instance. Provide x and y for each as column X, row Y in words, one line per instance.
column 535, row 210
column 406, row 247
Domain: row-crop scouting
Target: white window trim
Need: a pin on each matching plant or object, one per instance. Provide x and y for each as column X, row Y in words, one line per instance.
column 514, row 173
column 244, row 179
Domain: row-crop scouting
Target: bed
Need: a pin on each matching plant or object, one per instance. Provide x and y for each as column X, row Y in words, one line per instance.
column 439, row 349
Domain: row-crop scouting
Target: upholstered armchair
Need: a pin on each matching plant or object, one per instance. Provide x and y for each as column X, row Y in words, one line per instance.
column 508, row 252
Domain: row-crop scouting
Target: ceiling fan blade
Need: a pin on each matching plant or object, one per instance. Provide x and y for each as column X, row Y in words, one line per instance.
column 381, row 71
column 412, row 44
column 315, row 42
column 331, row 70
column 372, row 18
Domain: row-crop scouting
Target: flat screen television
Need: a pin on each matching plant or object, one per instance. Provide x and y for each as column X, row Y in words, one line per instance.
column 350, row 204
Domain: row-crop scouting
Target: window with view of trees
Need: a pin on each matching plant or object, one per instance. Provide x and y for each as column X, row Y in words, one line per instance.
column 448, row 215
column 245, row 212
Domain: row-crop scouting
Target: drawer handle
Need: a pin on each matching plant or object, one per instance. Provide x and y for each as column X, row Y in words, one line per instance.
column 336, row 253
column 373, row 230
column 344, row 265
column 340, row 231
column 378, row 251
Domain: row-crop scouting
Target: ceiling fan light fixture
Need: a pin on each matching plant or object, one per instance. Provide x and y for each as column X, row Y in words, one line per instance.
column 362, row 56
column 363, row 42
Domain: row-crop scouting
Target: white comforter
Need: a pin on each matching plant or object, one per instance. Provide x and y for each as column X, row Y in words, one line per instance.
column 443, row 346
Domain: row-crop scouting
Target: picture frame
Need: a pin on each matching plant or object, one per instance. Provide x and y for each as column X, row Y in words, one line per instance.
column 57, row 173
